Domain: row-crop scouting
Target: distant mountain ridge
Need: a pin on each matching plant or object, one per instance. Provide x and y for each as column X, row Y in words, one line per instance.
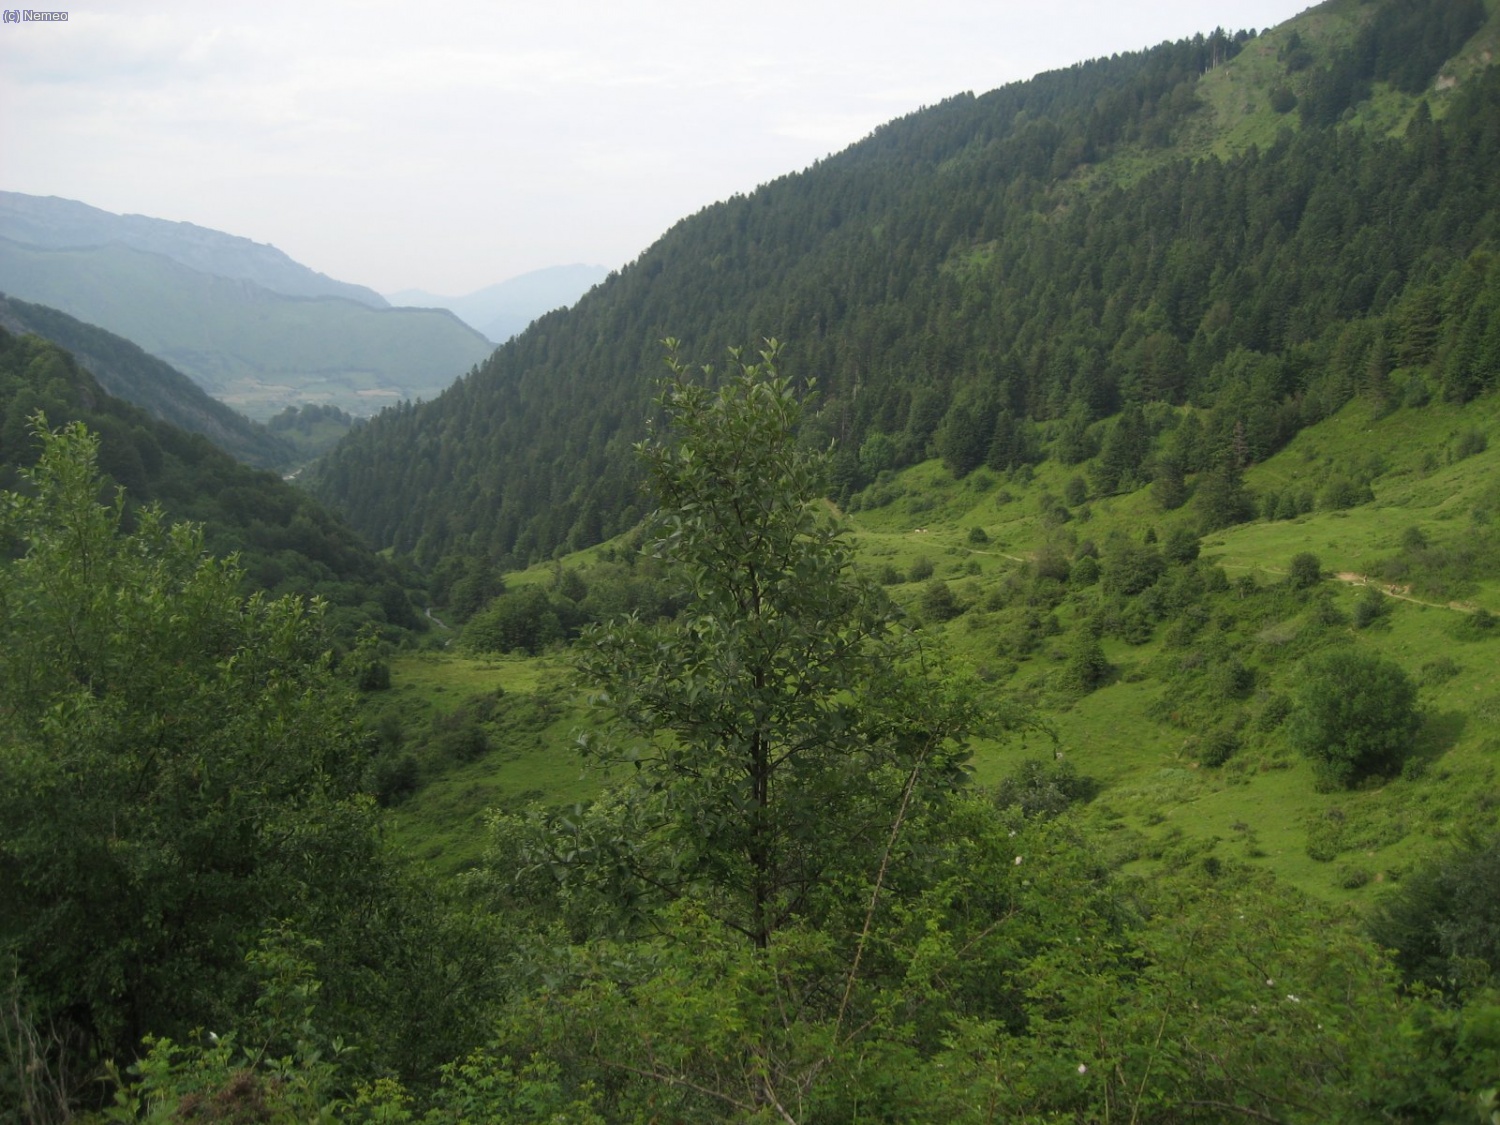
column 256, row 349
column 502, row 310
column 53, row 223
column 128, row 372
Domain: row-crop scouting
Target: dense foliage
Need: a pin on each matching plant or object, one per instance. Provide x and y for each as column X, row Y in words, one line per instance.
column 181, row 822
column 286, row 542
column 783, row 898
column 793, row 909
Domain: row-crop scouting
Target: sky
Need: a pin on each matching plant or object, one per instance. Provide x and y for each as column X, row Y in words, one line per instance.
column 454, row 146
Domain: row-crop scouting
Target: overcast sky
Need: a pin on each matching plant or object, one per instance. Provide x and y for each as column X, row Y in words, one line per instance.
column 450, row 146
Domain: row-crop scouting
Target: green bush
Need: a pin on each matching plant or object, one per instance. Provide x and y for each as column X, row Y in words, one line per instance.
column 1305, row 570
column 1468, row 443
column 938, row 602
column 1218, row 747
column 1443, row 921
column 1086, row 667
column 1439, row 671
column 1476, row 626
column 1355, row 715
column 1341, row 493
column 1370, row 608
column 1043, row 789
column 1085, row 572
column 1351, row 877
column 1181, row 546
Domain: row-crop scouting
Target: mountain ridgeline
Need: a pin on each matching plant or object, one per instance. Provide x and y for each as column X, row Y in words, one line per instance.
column 63, row 224
column 994, row 278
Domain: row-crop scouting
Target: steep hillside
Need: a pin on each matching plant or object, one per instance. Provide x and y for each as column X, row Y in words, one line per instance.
column 50, row 223
column 254, row 349
column 286, row 541
column 988, row 279
column 127, row 372
column 1166, row 664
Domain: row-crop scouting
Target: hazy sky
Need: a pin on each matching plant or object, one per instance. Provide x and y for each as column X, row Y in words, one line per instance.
column 450, row 146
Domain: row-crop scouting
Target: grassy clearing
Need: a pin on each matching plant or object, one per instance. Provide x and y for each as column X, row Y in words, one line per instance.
column 1158, row 805
column 528, row 755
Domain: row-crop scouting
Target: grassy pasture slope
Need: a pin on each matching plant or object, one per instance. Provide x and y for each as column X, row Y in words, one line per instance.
column 1157, row 805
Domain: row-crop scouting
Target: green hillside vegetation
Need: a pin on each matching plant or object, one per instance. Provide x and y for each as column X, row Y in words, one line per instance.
column 128, row 372
column 255, row 350
column 1173, row 698
column 1060, row 685
column 1048, row 254
column 286, row 542
column 860, row 929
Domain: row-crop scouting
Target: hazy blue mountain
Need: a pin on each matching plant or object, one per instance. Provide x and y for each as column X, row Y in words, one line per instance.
column 52, row 223
column 257, row 350
column 504, row 309
column 130, row 373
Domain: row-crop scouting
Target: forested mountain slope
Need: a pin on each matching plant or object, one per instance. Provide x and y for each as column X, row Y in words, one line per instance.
column 129, row 372
column 286, row 541
column 991, row 278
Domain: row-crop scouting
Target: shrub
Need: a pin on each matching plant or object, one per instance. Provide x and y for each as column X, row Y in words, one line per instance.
column 938, row 602
column 1129, row 569
column 1232, row 679
column 1341, row 493
column 978, row 537
column 1476, row 626
column 921, row 570
column 1218, row 747
column 1370, row 608
column 1181, row 546
column 1468, row 443
column 1439, row 671
column 1274, row 713
column 1352, row 877
column 1355, row 715
column 1305, row 570
column 1086, row 668
column 1444, row 920
column 1325, row 837
column 392, row 778
column 1043, row 789
column 1085, row 572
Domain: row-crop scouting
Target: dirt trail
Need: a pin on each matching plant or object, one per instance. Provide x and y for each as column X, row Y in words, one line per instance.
column 1393, row 590
column 1390, row 590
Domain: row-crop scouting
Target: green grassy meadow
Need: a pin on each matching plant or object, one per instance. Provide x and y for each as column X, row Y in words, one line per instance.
column 1157, row 805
